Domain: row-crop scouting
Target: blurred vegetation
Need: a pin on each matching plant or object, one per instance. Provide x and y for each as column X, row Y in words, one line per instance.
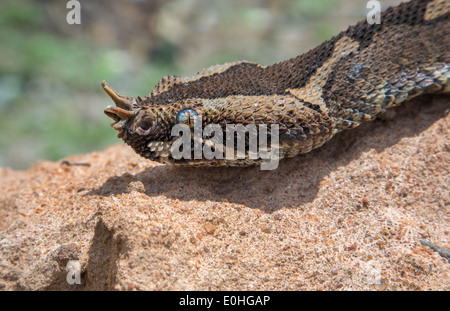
column 51, row 102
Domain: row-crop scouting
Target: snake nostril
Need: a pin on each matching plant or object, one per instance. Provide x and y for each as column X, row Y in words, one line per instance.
column 144, row 127
column 145, row 124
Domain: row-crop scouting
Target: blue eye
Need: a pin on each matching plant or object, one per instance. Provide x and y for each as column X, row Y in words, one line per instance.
column 187, row 117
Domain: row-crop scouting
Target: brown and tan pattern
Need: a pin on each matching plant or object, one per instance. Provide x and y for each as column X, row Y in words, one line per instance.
column 437, row 8
column 349, row 79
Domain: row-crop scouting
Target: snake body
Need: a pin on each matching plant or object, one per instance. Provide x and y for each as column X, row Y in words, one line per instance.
column 349, row 79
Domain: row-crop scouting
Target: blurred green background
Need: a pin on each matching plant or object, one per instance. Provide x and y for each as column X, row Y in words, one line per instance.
column 51, row 101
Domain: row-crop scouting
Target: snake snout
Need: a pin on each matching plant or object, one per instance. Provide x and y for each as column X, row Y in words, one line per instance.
column 123, row 110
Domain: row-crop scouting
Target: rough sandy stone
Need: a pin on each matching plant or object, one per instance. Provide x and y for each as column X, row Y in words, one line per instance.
column 348, row 216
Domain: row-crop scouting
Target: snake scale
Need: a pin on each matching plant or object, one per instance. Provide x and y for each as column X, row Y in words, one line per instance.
column 349, row 79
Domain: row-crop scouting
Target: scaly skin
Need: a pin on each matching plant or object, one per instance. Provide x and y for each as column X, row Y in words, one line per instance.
column 351, row 78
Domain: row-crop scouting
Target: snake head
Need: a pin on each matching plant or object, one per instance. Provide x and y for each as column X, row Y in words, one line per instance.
column 146, row 128
column 147, row 124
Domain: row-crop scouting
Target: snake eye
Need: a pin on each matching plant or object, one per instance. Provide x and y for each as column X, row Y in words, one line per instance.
column 187, row 117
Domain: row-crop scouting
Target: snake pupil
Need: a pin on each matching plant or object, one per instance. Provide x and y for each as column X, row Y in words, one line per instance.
column 186, row 116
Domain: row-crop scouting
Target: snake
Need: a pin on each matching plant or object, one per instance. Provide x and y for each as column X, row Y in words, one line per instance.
column 352, row 78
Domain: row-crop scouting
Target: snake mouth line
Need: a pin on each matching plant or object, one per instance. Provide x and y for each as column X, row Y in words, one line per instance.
column 118, row 114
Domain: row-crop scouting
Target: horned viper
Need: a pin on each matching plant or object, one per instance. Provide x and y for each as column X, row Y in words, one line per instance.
column 349, row 79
